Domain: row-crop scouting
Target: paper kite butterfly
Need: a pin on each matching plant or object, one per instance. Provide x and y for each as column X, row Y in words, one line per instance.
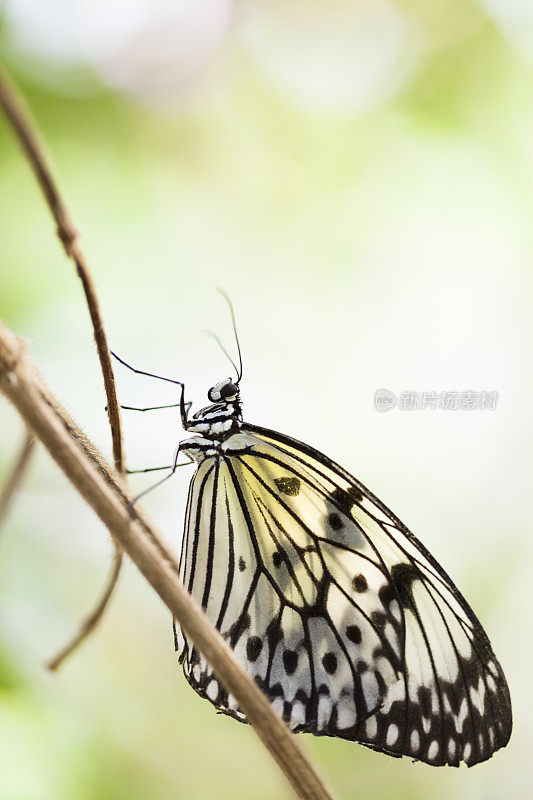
column 343, row 618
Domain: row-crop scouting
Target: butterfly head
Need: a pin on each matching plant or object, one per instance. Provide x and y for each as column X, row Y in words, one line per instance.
column 226, row 391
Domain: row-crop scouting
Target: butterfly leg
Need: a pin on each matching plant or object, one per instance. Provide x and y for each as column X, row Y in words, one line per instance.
column 172, row 468
column 183, row 406
column 148, row 469
column 155, row 408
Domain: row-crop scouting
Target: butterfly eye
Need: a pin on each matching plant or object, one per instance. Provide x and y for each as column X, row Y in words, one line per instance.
column 229, row 390
column 223, row 391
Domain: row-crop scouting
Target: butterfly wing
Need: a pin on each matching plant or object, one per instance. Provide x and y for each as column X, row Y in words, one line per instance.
column 342, row 617
column 284, row 601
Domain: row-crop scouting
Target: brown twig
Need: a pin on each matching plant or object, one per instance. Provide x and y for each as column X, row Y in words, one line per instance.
column 22, row 384
column 92, row 619
column 17, row 474
column 26, row 132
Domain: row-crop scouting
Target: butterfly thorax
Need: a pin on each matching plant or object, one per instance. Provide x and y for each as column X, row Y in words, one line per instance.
column 215, row 423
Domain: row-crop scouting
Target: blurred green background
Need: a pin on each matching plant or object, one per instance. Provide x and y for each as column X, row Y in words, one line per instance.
column 359, row 177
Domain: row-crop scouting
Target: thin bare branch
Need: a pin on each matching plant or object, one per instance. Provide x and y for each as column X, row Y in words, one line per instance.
column 27, row 134
column 107, row 496
column 26, row 131
column 17, row 474
column 90, row 622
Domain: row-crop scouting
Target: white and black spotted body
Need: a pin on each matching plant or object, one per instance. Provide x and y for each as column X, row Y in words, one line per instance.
column 216, row 424
column 339, row 613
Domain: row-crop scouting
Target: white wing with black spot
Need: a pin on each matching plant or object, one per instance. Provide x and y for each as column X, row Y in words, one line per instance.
column 342, row 617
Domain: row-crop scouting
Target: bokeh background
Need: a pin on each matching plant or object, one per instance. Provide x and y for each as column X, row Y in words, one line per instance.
column 359, row 177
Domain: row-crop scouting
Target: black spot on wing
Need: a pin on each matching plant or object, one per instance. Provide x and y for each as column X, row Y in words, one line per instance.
column 335, row 521
column 238, row 628
column 290, row 661
column 379, row 620
column 423, row 694
column 254, row 645
column 387, row 593
column 353, row 632
column 403, row 576
column 360, row 583
column 338, row 519
column 346, row 499
column 288, row 485
column 274, row 633
column 329, row 662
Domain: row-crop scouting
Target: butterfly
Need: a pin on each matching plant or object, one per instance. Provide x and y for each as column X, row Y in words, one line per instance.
column 343, row 618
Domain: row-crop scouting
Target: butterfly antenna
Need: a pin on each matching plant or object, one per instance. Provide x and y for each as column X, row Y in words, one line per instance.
column 232, row 312
column 217, row 340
